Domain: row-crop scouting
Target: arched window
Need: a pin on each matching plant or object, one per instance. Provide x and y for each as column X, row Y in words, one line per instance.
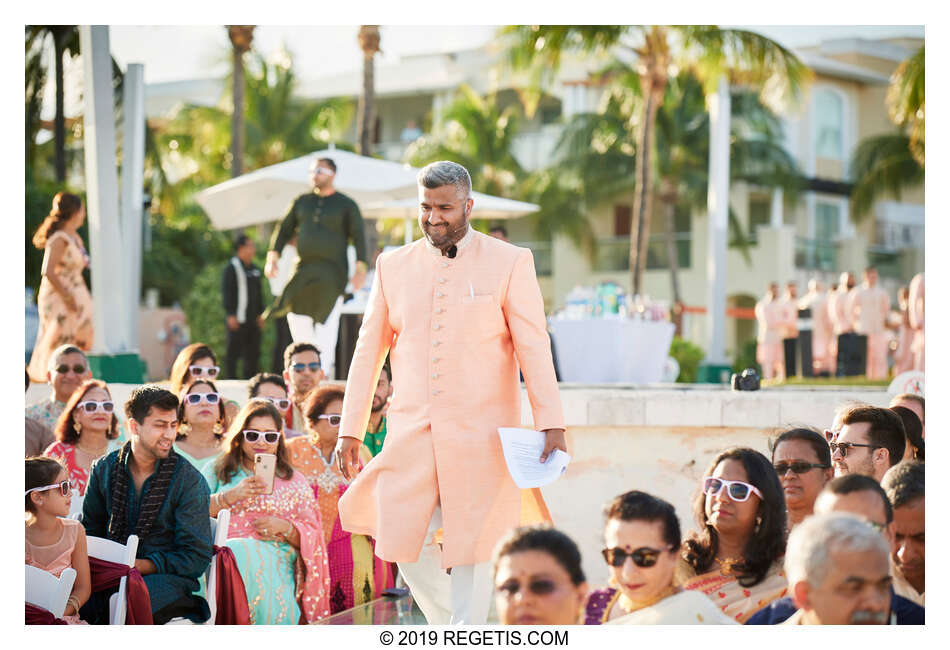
column 829, row 125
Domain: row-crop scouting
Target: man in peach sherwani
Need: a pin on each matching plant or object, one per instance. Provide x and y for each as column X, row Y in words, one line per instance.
column 459, row 312
column 916, row 312
column 869, row 312
column 839, row 309
column 770, row 315
column 817, row 302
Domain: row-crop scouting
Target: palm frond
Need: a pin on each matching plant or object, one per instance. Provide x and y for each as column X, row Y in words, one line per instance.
column 882, row 166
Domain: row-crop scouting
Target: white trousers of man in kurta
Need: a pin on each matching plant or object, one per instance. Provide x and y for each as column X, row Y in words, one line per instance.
column 323, row 335
column 462, row 598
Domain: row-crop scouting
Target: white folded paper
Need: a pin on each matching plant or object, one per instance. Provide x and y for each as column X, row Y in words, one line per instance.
column 522, row 449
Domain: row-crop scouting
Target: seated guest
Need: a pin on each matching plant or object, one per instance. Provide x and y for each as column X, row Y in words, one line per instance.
column 803, row 463
column 870, row 442
column 863, row 496
column 38, row 435
column 904, row 486
column 201, row 419
column 197, row 361
column 87, row 429
column 269, row 386
column 148, row 490
column 53, row 542
column 915, row 403
column 356, row 574
column 837, row 572
column 303, row 373
column 913, row 432
column 67, row 369
column 642, row 537
column 276, row 537
column 538, row 578
column 734, row 555
column 376, row 427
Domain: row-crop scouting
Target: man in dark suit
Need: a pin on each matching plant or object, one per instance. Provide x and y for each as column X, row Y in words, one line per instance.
column 243, row 304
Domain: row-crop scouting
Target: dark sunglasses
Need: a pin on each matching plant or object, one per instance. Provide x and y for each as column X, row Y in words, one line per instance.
column 644, row 557
column 195, row 398
column 62, row 369
column 300, row 367
column 541, row 587
column 797, row 467
column 270, row 437
column 844, row 446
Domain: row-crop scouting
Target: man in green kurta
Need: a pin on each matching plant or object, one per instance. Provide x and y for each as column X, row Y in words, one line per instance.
column 324, row 221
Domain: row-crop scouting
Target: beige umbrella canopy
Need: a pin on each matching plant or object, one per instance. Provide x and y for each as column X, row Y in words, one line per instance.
column 264, row 195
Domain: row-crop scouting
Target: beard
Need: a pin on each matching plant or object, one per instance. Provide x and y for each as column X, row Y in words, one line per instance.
column 378, row 405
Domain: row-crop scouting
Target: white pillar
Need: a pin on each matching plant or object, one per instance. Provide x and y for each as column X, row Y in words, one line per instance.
column 102, row 191
column 133, row 171
column 777, row 216
column 717, row 204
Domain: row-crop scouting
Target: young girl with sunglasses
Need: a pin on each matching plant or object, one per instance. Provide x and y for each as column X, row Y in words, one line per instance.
column 642, row 540
column 87, row 429
column 53, row 543
column 349, row 555
column 200, row 424
column 277, row 538
column 734, row 556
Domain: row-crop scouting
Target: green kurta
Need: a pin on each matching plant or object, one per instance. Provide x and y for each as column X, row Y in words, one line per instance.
column 323, row 225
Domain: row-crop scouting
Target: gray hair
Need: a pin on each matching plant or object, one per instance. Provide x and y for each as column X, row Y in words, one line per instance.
column 904, row 482
column 812, row 542
column 67, row 348
column 446, row 172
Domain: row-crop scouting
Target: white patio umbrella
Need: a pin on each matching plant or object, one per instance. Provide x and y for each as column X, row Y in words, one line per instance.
column 265, row 194
column 485, row 206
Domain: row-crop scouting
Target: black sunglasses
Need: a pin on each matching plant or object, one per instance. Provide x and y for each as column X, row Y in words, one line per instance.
column 844, row 446
column 300, row 367
column 541, row 587
column 797, row 467
column 644, row 557
column 270, row 437
column 62, row 369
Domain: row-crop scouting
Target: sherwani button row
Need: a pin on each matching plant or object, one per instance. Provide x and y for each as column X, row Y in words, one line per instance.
column 439, row 310
column 441, row 280
column 437, row 327
column 435, row 375
column 435, row 392
column 439, row 294
column 435, row 344
column 445, row 265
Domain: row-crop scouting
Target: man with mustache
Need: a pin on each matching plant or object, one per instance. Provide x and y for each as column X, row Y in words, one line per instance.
column 837, row 572
column 904, row 485
column 870, row 442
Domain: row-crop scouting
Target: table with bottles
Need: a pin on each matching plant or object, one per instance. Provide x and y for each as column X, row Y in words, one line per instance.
column 606, row 336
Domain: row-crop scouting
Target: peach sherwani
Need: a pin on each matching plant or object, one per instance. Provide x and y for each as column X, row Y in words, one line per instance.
column 456, row 330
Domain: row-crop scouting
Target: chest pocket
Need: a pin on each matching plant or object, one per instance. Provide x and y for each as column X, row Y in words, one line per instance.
column 481, row 317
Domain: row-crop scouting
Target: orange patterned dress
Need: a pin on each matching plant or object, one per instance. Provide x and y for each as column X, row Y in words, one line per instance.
column 59, row 325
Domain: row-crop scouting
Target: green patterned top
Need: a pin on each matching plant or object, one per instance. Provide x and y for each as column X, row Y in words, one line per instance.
column 374, row 441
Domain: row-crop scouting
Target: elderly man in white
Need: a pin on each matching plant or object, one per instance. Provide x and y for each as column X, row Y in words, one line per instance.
column 838, row 572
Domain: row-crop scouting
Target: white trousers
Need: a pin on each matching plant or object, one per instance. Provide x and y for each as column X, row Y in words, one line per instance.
column 464, row 597
column 323, row 335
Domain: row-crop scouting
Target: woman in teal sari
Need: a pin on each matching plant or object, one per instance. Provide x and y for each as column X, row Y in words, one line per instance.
column 277, row 538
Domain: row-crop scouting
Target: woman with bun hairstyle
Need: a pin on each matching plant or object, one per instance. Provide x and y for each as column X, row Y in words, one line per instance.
column 64, row 302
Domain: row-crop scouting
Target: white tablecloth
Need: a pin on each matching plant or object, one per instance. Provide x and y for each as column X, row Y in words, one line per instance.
column 599, row 350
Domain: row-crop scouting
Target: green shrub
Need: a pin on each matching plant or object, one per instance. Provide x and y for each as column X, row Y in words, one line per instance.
column 746, row 358
column 688, row 355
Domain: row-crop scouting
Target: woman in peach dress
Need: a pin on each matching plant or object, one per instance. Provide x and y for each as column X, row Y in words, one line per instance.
column 64, row 301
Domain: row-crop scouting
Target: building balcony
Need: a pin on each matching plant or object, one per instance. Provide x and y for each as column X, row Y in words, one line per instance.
column 813, row 254
column 613, row 254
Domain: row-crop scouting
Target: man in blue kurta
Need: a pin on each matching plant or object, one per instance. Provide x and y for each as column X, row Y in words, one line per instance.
column 148, row 490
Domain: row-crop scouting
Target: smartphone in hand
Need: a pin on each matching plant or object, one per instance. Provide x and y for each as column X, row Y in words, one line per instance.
column 265, row 466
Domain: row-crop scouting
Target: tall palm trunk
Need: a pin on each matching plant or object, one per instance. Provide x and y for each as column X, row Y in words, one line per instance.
column 241, row 37
column 59, row 120
column 653, row 68
column 368, row 39
column 668, row 196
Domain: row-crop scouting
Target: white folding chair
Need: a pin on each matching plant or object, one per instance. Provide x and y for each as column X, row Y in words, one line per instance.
column 219, row 533
column 45, row 590
column 106, row 549
column 75, row 505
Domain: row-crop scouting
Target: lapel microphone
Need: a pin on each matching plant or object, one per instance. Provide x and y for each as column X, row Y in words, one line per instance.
column 451, row 251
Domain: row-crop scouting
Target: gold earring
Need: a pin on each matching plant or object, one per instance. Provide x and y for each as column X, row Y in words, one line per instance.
column 77, row 426
column 218, row 428
column 184, row 428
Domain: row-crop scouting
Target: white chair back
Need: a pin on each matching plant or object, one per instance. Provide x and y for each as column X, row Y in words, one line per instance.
column 106, row 549
column 45, row 590
column 219, row 534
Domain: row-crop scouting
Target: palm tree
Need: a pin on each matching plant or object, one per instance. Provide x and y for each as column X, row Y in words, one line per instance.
column 600, row 151
column 885, row 165
column 65, row 41
column 241, row 37
column 368, row 39
column 706, row 51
